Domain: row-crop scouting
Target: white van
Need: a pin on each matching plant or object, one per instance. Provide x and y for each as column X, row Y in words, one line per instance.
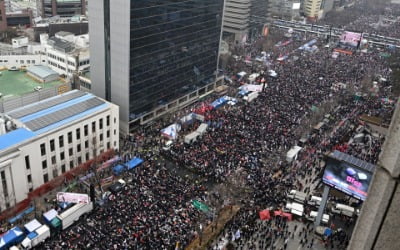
column 315, row 201
column 313, row 215
column 294, row 208
column 343, row 209
column 297, row 196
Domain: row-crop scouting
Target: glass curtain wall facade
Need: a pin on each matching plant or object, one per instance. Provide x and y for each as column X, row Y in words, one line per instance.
column 173, row 50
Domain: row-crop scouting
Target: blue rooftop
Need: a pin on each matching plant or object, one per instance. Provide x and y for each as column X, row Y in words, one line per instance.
column 15, row 137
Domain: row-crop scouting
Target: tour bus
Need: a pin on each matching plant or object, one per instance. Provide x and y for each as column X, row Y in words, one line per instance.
column 343, row 209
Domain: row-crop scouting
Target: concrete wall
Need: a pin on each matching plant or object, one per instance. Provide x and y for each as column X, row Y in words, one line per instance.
column 96, row 34
column 21, row 60
column 379, row 223
column 120, row 19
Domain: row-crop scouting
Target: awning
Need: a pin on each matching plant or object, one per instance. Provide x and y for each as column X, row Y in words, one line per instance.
column 134, row 163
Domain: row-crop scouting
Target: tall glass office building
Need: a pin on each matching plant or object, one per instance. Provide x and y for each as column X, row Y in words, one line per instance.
column 146, row 54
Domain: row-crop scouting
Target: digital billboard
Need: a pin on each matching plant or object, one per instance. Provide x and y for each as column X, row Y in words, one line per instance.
column 347, row 178
column 351, row 38
column 72, row 197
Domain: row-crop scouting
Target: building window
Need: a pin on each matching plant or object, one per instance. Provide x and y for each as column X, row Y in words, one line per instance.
column 86, row 144
column 53, row 159
column 61, row 141
column 52, row 146
column 86, row 130
column 42, row 149
column 30, row 189
column 108, row 133
column 101, row 123
column 27, row 162
column 63, row 168
column 70, row 151
column 108, row 145
column 79, row 160
column 44, row 164
column 108, row 120
column 45, row 178
column 93, row 126
column 115, row 143
column 62, row 156
column 78, row 148
column 71, row 164
column 4, row 184
column 69, row 137
column 78, row 133
column 101, row 137
column 87, row 156
column 115, row 120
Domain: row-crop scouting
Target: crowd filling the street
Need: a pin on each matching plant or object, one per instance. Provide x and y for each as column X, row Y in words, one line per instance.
column 245, row 145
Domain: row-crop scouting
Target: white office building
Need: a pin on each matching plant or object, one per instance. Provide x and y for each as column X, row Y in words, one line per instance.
column 41, row 141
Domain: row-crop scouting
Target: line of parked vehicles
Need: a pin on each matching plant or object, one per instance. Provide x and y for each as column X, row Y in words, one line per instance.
column 296, row 201
column 52, row 222
column 34, row 232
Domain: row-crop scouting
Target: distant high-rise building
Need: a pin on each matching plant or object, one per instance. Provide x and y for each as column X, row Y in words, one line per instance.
column 284, row 9
column 153, row 56
column 236, row 18
column 244, row 17
column 63, row 8
column 312, row 8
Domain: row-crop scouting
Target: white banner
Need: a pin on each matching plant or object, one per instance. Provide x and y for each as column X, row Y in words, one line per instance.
column 252, row 87
column 72, row 197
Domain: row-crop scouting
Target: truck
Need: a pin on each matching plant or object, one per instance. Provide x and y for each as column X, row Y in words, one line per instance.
column 297, row 196
column 35, row 238
column 68, row 217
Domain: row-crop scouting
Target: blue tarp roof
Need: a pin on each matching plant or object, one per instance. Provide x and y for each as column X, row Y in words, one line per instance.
column 134, row 163
column 12, row 236
column 22, row 214
column 117, row 170
column 219, row 102
column 14, row 137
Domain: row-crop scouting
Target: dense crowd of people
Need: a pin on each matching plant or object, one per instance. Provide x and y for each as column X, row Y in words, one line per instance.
column 154, row 211
column 373, row 18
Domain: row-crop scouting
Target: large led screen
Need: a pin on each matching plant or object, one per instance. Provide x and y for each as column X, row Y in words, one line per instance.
column 350, row 38
column 347, row 178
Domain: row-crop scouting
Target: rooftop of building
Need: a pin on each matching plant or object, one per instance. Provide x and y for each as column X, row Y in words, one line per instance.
column 38, row 118
column 41, row 22
column 18, row 83
column 41, row 71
